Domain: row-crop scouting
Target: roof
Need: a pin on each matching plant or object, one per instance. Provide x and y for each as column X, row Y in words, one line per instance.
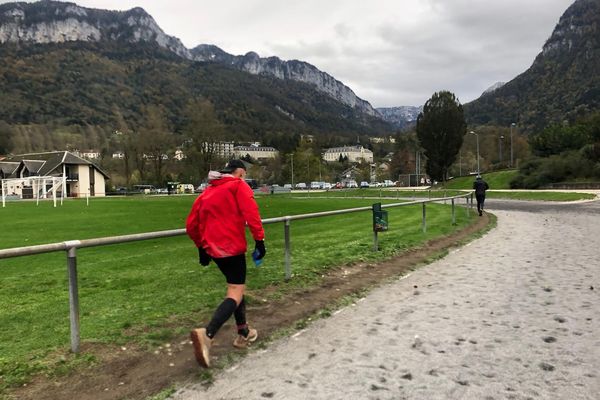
column 8, row 167
column 347, row 149
column 44, row 163
column 254, row 148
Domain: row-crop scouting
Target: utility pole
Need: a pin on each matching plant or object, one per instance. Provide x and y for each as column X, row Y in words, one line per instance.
column 511, row 143
column 500, row 140
column 477, row 138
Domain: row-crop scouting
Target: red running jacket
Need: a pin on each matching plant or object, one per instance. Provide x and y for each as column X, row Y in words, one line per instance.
column 217, row 221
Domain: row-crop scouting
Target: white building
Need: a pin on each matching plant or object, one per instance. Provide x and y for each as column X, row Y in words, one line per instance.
column 354, row 154
column 222, row 149
column 179, row 155
column 389, row 139
column 90, row 154
column 80, row 177
column 256, row 152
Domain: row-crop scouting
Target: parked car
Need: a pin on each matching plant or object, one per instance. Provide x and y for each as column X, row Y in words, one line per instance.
column 301, row 185
column 287, row 186
column 388, row 183
column 326, row 185
column 364, row 185
column 253, row 183
column 351, row 184
column 315, row 185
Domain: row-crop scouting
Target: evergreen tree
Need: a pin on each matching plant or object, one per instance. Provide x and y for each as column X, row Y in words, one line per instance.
column 440, row 129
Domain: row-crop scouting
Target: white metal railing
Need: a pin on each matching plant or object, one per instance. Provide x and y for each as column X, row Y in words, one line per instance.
column 71, row 246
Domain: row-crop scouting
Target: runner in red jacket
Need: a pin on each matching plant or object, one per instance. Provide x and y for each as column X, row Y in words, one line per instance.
column 217, row 225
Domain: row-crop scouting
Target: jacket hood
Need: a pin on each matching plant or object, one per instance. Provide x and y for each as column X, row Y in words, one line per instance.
column 216, row 178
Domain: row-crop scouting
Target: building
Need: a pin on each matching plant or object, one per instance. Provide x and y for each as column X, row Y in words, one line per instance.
column 179, row 155
column 389, row 139
column 256, row 152
column 222, row 149
column 22, row 173
column 89, row 154
column 353, row 153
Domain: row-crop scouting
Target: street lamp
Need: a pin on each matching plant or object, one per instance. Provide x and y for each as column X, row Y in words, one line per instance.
column 511, row 144
column 477, row 138
column 292, row 171
column 500, row 140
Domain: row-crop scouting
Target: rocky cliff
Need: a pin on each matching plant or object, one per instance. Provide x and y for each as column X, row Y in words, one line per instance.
column 294, row 70
column 562, row 83
column 59, row 22
column 400, row 117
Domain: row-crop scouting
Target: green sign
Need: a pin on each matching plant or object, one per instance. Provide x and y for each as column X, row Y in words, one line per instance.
column 380, row 218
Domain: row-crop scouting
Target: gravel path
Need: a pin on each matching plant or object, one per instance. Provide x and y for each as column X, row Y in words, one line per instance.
column 513, row 315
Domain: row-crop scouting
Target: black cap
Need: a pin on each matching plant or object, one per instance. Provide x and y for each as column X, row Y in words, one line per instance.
column 232, row 165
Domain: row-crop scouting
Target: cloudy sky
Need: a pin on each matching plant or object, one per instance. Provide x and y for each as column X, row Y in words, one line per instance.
column 390, row 52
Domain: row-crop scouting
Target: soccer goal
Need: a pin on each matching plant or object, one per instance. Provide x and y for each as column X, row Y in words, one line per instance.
column 33, row 187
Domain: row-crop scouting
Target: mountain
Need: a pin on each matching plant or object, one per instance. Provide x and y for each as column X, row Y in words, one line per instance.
column 59, row 22
column 65, row 66
column 562, row 83
column 400, row 117
column 493, row 88
column 287, row 70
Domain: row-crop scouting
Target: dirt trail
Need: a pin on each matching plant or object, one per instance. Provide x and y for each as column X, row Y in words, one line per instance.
column 513, row 315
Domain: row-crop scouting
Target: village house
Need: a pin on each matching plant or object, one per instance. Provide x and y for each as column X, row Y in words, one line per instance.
column 32, row 175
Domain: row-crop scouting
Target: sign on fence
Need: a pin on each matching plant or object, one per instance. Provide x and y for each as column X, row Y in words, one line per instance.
column 380, row 218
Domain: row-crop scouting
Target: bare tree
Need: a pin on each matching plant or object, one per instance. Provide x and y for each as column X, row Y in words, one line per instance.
column 202, row 132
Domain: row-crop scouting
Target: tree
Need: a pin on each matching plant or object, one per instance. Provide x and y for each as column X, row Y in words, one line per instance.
column 124, row 142
column 202, row 131
column 157, row 138
column 440, row 130
column 5, row 136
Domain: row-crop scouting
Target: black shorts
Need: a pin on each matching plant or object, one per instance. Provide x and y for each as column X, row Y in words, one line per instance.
column 234, row 268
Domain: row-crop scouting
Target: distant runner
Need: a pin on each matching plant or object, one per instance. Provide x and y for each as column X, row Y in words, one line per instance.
column 480, row 186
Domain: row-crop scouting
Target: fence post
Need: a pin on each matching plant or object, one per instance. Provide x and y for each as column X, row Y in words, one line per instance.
column 288, row 251
column 375, row 241
column 467, row 208
column 424, row 219
column 73, row 294
column 453, row 214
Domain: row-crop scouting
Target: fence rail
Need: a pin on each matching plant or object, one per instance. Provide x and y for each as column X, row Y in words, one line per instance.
column 71, row 246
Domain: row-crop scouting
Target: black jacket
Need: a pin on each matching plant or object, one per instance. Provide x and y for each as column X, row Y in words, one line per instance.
column 480, row 186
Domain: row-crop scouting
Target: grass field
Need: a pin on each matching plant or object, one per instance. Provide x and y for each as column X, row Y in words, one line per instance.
column 496, row 180
column 407, row 195
column 148, row 292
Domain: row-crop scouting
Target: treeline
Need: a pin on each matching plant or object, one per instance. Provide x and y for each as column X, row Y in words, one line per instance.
column 563, row 153
column 80, row 84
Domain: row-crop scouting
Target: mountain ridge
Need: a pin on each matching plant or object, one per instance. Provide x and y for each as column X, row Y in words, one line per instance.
column 58, row 22
column 562, row 83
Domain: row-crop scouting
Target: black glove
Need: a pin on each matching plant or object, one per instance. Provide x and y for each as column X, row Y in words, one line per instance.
column 203, row 256
column 260, row 246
